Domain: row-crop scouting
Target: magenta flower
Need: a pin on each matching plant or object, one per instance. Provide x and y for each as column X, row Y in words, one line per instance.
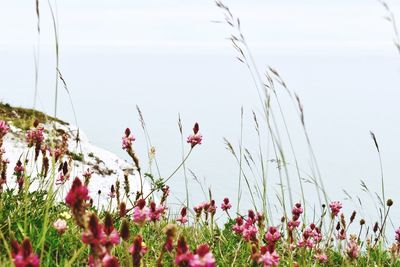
column 269, row 259
column 183, row 255
column 137, row 250
column 226, row 205
column 238, row 227
column 335, row 207
column 110, row 261
column 249, row 232
column 183, row 216
column 196, row 137
column 140, row 212
column 273, row 234
column 297, row 209
column 95, row 233
column 60, row 225
column 77, row 195
column 397, row 232
column 353, row 250
column 112, row 193
column 155, row 213
column 127, row 140
column 4, row 128
column 23, row 255
column 35, row 136
column 203, row 257
column 321, row 258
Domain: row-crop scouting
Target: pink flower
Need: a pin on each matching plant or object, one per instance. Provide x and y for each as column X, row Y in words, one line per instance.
column 335, row 207
column 77, row 195
column 272, row 235
column 321, row 258
column 140, row 212
column 155, row 212
column 238, row 227
column 226, row 205
column 110, row 261
column 112, row 194
column 196, row 137
column 397, row 232
column 23, row 255
column 249, row 232
column 297, row 209
column 35, row 136
column 95, row 233
column 60, row 225
column 183, row 255
column 212, row 207
column 353, row 250
column 182, row 217
column 203, row 257
column 269, row 259
column 4, row 128
column 138, row 249
column 127, row 140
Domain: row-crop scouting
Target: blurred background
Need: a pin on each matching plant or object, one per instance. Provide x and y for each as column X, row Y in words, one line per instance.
column 169, row 57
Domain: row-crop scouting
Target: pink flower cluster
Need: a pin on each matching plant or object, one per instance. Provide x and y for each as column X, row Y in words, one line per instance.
column 335, row 207
column 196, row 138
column 35, row 136
column 77, row 195
column 60, row 225
column 397, row 235
column 23, row 255
column 225, row 206
column 101, row 239
column 353, row 249
column 294, row 222
column 208, row 207
column 202, row 257
column 247, row 228
column 4, row 128
column 269, row 258
column 127, row 139
column 182, row 218
column 311, row 236
column 141, row 213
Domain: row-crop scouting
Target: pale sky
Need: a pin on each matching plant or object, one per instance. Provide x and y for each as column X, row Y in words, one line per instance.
column 304, row 25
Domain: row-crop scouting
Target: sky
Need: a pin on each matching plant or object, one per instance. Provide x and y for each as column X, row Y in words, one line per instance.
column 170, row 57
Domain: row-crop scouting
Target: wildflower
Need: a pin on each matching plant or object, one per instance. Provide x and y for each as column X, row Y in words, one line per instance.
column 77, row 195
column 138, row 249
column 124, row 230
column 111, row 236
column 196, row 137
column 110, row 261
column 321, row 258
column 249, row 232
column 183, row 216
column 203, row 257
column 94, row 234
column 335, row 207
column 273, row 234
column 122, row 209
column 140, row 212
column 269, row 259
column 111, row 194
column 170, row 232
column 226, row 205
column 297, row 209
column 198, row 209
column 4, row 128
column 212, row 208
column 397, row 232
column 23, row 255
column 127, row 139
column 238, row 227
column 87, row 175
column 60, row 225
column 183, row 255
column 353, row 250
column 155, row 212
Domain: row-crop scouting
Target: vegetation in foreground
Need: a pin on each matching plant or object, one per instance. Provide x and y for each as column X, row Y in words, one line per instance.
column 36, row 230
